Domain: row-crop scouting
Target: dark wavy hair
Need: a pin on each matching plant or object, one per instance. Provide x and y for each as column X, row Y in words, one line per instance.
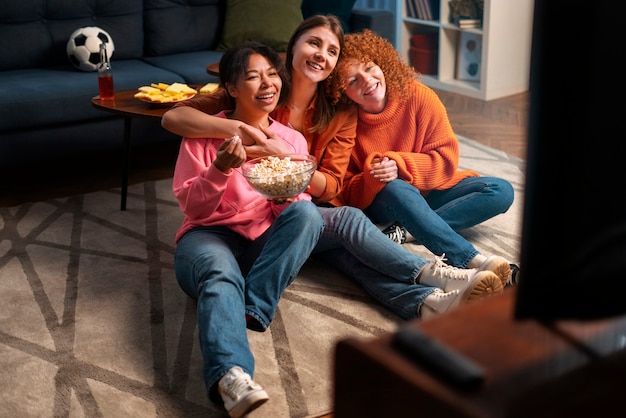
column 366, row 47
column 324, row 109
column 234, row 64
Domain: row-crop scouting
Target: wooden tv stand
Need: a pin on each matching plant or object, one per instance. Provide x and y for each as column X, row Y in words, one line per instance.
column 569, row 369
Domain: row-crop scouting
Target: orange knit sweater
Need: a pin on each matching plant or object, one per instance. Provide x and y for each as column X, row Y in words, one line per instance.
column 417, row 134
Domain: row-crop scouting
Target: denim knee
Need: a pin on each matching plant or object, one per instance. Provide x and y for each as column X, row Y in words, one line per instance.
column 505, row 190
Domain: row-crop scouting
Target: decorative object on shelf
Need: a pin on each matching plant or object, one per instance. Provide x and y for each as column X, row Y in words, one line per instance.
column 83, row 47
column 465, row 9
column 469, row 58
column 424, row 55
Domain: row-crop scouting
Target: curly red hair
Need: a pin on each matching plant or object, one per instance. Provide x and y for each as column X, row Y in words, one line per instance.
column 366, row 47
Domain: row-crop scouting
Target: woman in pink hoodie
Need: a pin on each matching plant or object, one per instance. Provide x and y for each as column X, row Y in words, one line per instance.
column 237, row 251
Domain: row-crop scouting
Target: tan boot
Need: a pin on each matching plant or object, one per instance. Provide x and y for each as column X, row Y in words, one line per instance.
column 498, row 265
column 480, row 285
column 439, row 274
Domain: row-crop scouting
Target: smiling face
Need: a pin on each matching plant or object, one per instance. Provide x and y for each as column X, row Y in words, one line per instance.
column 256, row 93
column 315, row 54
column 364, row 84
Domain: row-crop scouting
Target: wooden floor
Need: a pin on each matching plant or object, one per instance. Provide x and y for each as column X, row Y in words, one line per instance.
column 501, row 124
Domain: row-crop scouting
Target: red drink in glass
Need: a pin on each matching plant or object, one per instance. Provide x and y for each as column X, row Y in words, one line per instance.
column 105, row 86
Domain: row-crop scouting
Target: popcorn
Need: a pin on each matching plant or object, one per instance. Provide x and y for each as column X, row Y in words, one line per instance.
column 276, row 177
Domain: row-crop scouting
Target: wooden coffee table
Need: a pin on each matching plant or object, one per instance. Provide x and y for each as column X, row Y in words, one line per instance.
column 127, row 106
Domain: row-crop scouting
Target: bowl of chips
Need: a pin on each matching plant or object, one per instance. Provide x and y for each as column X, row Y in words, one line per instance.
column 280, row 176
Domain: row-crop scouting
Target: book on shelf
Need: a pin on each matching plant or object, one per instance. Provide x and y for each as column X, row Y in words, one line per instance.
column 434, row 9
column 469, row 23
column 426, row 10
column 411, row 11
column 423, row 9
column 419, row 6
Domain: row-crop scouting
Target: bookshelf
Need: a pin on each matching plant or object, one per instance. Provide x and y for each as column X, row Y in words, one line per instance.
column 487, row 62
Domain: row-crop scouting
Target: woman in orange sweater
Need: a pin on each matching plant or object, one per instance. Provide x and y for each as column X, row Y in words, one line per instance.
column 404, row 165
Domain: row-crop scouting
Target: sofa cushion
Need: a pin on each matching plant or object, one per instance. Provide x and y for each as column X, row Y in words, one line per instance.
column 174, row 26
column 340, row 8
column 192, row 66
column 34, row 33
column 271, row 22
column 49, row 96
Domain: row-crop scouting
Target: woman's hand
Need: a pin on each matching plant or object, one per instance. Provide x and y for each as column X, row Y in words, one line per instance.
column 250, row 135
column 384, row 170
column 230, row 154
column 266, row 144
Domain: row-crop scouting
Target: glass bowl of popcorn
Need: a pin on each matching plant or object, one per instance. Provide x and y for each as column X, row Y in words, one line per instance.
column 280, row 176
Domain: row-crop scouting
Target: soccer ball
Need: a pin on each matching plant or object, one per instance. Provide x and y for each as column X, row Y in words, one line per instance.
column 83, row 47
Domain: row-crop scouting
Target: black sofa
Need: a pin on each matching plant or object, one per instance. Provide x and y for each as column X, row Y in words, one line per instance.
column 45, row 109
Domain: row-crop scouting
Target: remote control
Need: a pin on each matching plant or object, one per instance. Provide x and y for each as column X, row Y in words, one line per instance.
column 447, row 364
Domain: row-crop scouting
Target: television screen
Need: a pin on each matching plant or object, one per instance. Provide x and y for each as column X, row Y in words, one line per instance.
column 573, row 254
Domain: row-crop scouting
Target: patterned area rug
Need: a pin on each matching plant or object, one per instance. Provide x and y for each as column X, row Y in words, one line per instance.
column 93, row 324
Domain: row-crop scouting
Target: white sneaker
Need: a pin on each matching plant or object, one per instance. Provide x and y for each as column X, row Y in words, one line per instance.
column 239, row 392
column 515, row 274
column 439, row 274
column 396, row 233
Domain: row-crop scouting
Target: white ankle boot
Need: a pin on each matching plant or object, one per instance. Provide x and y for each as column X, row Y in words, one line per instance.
column 439, row 274
column 439, row 302
column 455, row 286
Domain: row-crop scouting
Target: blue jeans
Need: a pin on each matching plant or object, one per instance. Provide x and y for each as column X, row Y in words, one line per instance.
column 231, row 276
column 385, row 270
column 434, row 220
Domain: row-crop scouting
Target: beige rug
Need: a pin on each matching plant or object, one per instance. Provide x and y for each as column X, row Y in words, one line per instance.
column 93, row 324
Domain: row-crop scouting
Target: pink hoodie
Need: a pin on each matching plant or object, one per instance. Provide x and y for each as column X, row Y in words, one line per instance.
column 210, row 197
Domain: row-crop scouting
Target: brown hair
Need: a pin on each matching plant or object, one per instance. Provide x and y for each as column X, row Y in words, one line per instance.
column 366, row 47
column 324, row 108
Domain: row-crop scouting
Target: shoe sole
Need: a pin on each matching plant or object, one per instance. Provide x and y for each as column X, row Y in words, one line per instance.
column 499, row 266
column 483, row 284
column 249, row 404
